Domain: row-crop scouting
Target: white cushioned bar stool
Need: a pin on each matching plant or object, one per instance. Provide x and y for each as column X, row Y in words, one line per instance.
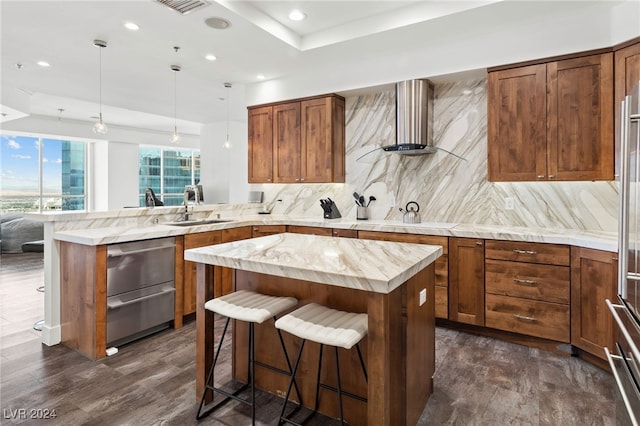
column 250, row 307
column 329, row 327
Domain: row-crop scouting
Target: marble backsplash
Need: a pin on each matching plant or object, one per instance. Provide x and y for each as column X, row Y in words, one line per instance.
column 447, row 188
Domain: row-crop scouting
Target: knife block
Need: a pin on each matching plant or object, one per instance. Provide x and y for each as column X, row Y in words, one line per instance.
column 334, row 213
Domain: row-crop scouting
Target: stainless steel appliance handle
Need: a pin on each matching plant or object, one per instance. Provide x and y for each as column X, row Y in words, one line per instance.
column 623, row 222
column 116, row 305
column 614, row 370
column 144, row 250
column 623, row 329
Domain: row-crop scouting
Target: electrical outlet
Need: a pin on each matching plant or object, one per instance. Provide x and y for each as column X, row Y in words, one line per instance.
column 423, row 296
column 508, row 203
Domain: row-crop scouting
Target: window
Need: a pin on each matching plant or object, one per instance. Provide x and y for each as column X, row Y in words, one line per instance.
column 42, row 174
column 167, row 171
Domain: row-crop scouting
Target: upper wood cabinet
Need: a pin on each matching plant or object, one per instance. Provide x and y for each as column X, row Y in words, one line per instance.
column 627, row 75
column 297, row 141
column 260, row 123
column 552, row 121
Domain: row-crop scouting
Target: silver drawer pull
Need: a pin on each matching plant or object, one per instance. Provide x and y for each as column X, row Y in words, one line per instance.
column 523, row 318
column 516, row 251
column 525, row 282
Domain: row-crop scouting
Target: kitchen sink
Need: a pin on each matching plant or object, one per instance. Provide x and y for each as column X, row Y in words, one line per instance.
column 197, row 222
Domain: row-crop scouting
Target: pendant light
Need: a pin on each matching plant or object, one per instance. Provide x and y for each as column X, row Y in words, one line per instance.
column 175, row 137
column 227, row 142
column 100, row 127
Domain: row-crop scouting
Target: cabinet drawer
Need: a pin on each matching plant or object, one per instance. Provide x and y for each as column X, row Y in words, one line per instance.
column 309, row 230
column 551, row 254
column 406, row 238
column 549, row 283
column 262, row 230
column 345, row 233
column 530, row 317
column 202, row 239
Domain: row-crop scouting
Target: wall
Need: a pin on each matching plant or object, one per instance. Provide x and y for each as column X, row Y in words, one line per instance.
column 448, row 189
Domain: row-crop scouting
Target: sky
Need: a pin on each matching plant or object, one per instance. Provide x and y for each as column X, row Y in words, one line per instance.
column 19, row 166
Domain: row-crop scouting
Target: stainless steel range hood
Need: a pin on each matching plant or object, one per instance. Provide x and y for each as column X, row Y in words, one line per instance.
column 414, row 118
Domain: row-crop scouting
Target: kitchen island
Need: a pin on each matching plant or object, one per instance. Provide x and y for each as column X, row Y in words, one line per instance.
column 392, row 282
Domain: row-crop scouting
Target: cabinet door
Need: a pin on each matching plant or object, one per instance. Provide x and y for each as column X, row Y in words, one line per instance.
column 466, row 280
column 262, row 230
column 580, row 118
column 322, row 140
column 309, row 230
column 593, row 279
column 260, row 126
column 286, row 142
column 200, row 239
column 516, row 132
column 627, row 76
column 226, row 284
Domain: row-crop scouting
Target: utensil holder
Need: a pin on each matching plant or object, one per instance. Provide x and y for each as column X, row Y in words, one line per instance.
column 362, row 213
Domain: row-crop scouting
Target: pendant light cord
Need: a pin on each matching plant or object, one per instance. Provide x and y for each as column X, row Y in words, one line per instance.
column 100, row 82
column 175, row 101
column 227, row 86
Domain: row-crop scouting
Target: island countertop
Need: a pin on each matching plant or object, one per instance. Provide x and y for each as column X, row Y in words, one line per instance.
column 377, row 266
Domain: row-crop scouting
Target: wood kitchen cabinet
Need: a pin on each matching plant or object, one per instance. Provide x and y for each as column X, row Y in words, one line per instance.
column 297, row 141
column 593, row 279
column 224, row 284
column 528, row 288
column 627, row 76
column 262, row 230
column 551, row 121
column 200, row 239
column 260, row 123
column 328, row 232
column 441, row 264
column 466, row 280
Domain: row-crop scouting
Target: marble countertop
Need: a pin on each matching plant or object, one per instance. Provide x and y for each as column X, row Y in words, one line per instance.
column 588, row 239
column 377, row 266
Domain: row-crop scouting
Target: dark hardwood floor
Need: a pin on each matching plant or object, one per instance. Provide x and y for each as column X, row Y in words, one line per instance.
column 478, row 381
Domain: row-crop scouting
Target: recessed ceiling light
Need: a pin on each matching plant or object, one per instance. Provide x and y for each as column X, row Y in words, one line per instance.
column 210, row 57
column 131, row 26
column 217, row 23
column 260, row 77
column 43, row 64
column 296, row 15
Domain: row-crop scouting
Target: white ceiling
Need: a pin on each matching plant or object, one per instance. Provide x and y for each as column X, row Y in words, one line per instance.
column 138, row 85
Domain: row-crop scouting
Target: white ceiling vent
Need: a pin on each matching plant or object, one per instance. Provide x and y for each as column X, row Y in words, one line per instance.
column 184, row 6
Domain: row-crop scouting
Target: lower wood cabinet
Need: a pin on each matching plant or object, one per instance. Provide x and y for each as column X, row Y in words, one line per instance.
column 528, row 288
column 200, row 239
column 442, row 264
column 593, row 279
column 327, row 232
column 203, row 239
column 466, row 280
column 262, row 230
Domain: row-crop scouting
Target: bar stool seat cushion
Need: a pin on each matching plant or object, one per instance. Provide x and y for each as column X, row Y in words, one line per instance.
column 250, row 306
column 325, row 325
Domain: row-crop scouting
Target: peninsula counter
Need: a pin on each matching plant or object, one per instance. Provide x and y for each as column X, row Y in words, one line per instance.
column 392, row 282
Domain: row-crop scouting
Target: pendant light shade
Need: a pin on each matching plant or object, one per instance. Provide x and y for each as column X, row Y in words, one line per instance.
column 175, row 137
column 227, row 141
column 100, row 127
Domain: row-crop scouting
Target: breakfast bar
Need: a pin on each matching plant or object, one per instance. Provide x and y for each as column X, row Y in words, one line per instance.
column 393, row 283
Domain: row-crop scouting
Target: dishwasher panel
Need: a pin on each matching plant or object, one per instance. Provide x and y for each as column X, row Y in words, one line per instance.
column 131, row 266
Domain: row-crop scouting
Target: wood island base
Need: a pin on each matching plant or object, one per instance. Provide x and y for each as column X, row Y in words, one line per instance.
column 399, row 349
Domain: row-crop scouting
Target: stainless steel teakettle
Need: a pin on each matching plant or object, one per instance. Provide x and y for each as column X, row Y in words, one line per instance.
column 411, row 215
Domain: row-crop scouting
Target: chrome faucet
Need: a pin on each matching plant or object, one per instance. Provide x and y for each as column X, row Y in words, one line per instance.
column 185, row 196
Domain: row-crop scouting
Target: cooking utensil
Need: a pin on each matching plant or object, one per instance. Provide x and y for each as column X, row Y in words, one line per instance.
column 411, row 215
column 357, row 197
column 371, row 198
column 361, row 200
